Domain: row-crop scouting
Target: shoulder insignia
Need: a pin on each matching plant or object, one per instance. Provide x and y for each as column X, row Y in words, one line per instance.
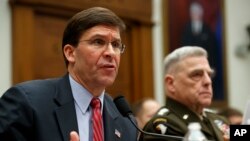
column 163, row 111
column 160, row 120
column 159, row 125
column 162, row 128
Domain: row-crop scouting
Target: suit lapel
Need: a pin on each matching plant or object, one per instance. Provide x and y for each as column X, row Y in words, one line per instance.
column 66, row 120
column 112, row 129
column 65, row 112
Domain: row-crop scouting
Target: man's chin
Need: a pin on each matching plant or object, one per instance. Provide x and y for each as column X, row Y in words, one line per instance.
column 206, row 103
column 107, row 82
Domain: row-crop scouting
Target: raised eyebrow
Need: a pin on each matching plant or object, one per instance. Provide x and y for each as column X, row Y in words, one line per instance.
column 211, row 72
column 97, row 36
column 104, row 37
column 201, row 70
column 196, row 70
column 116, row 40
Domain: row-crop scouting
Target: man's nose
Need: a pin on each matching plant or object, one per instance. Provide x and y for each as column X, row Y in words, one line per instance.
column 207, row 78
column 109, row 50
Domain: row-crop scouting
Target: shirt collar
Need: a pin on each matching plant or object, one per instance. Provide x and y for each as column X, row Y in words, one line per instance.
column 82, row 96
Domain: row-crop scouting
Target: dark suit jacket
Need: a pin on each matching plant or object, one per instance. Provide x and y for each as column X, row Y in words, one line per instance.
column 44, row 110
column 205, row 39
column 176, row 117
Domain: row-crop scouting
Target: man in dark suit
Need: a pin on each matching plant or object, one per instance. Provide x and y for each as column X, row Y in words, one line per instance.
column 197, row 33
column 188, row 86
column 60, row 109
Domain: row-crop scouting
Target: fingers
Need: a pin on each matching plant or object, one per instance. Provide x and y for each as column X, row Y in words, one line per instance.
column 74, row 136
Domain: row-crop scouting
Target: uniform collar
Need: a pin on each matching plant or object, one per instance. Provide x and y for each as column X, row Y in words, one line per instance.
column 182, row 111
column 82, row 96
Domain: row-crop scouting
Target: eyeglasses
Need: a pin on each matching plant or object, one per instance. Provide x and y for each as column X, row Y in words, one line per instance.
column 99, row 43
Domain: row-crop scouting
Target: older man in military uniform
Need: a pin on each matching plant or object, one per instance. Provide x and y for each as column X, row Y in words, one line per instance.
column 188, row 87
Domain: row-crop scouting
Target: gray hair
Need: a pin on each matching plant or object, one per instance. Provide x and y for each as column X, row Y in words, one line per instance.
column 180, row 53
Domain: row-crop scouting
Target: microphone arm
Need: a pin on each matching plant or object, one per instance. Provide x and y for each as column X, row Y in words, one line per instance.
column 125, row 110
column 130, row 117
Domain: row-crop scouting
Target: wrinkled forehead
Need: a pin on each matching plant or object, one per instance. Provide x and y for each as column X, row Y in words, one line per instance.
column 193, row 62
column 105, row 31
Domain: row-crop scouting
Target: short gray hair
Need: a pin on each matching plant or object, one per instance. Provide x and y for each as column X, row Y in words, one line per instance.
column 180, row 53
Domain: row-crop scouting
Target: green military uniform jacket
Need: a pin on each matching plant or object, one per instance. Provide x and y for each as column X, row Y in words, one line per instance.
column 174, row 118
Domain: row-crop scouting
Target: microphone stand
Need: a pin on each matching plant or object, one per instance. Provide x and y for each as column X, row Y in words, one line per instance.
column 130, row 117
column 124, row 109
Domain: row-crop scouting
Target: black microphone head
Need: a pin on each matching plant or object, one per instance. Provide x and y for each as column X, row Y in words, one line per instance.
column 122, row 105
column 124, row 109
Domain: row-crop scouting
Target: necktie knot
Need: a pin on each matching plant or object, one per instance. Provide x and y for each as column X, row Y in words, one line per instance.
column 95, row 103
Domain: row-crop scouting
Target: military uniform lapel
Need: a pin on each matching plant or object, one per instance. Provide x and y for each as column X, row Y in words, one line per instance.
column 187, row 116
column 182, row 112
column 206, row 127
column 216, row 130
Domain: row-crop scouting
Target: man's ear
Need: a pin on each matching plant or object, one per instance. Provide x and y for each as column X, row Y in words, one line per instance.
column 169, row 83
column 69, row 52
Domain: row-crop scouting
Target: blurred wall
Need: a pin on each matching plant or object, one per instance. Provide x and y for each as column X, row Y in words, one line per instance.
column 158, row 51
column 237, row 17
column 5, row 46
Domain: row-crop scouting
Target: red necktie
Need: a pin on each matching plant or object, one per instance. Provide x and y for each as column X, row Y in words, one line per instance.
column 96, row 120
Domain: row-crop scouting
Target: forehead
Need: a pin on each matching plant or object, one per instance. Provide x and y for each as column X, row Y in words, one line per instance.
column 193, row 63
column 102, row 30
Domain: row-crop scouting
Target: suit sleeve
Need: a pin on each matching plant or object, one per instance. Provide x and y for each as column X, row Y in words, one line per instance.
column 15, row 116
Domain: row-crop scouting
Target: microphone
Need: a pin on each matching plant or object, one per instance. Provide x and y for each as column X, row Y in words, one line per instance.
column 125, row 110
